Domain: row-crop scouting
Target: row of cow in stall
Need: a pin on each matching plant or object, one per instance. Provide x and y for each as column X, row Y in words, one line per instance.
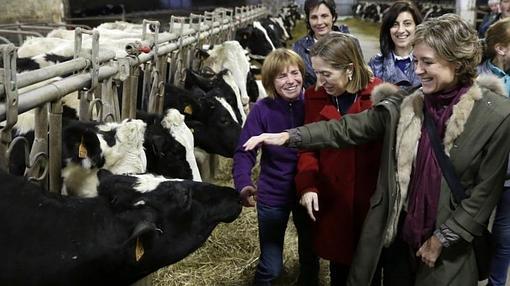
column 128, row 211
column 374, row 11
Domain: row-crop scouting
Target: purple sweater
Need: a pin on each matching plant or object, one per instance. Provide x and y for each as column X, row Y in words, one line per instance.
column 275, row 186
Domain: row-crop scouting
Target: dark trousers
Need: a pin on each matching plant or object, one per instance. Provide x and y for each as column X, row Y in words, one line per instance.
column 501, row 236
column 398, row 264
column 272, row 225
column 338, row 273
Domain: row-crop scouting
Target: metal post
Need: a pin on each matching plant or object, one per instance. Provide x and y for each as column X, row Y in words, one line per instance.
column 9, row 55
column 55, row 148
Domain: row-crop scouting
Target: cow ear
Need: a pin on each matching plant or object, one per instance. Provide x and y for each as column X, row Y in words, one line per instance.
column 143, row 227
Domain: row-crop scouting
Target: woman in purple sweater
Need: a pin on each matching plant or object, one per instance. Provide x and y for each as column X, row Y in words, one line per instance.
column 275, row 192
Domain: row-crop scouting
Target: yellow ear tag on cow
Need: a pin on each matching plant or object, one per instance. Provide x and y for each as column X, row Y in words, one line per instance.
column 188, row 110
column 139, row 251
column 82, row 151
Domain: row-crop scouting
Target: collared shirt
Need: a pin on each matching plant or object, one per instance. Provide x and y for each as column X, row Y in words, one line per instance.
column 403, row 63
column 389, row 70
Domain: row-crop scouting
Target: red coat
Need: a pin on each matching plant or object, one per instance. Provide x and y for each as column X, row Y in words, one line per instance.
column 344, row 179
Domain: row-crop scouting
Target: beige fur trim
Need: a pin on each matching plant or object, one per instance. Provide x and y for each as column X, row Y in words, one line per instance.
column 382, row 91
column 408, row 135
column 493, row 83
column 461, row 111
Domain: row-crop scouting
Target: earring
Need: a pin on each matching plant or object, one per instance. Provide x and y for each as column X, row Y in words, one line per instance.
column 349, row 77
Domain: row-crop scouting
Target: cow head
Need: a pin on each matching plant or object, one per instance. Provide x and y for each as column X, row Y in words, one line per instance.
column 254, row 39
column 171, row 217
column 219, row 134
column 213, row 126
column 165, row 155
column 208, row 80
column 82, row 146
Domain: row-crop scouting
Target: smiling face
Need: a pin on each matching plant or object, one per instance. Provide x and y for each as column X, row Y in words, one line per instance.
column 505, row 8
column 333, row 80
column 289, row 83
column 436, row 73
column 402, row 33
column 321, row 20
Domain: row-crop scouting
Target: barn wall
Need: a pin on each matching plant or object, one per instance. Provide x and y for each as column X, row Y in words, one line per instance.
column 30, row 11
column 344, row 7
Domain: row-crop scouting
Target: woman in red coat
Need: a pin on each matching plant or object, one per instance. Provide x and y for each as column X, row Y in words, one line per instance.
column 335, row 185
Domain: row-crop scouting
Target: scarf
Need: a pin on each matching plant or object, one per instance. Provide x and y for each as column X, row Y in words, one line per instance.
column 425, row 184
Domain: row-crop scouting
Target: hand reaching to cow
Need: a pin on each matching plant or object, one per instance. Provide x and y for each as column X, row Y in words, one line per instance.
column 267, row 138
column 248, row 196
column 310, row 200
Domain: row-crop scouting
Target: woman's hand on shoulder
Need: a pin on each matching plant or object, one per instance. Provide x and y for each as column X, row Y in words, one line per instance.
column 310, row 200
column 277, row 139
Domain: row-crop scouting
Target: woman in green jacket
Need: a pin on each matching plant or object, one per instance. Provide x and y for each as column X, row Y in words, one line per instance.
column 415, row 228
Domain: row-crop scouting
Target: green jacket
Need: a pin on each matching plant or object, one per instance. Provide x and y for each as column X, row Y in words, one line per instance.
column 477, row 139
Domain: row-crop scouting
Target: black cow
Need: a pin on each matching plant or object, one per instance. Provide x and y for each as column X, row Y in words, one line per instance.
column 127, row 232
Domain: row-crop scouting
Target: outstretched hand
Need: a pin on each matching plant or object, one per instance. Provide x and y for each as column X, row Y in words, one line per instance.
column 430, row 251
column 266, row 138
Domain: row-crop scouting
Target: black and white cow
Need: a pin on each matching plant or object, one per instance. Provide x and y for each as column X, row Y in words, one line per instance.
column 89, row 146
column 136, row 226
column 210, row 80
column 255, row 38
column 169, row 145
column 230, row 55
column 214, row 129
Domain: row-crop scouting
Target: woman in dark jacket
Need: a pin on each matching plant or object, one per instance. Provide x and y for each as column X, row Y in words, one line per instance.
column 415, row 227
column 394, row 64
column 320, row 19
column 338, row 182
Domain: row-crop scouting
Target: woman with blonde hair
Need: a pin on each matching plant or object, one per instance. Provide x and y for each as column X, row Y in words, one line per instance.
column 274, row 194
column 445, row 154
column 335, row 185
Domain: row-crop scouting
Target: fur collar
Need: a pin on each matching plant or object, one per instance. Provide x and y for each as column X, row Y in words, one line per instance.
column 409, row 132
column 383, row 90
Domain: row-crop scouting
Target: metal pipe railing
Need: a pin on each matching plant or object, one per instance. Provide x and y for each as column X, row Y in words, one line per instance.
column 102, row 69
